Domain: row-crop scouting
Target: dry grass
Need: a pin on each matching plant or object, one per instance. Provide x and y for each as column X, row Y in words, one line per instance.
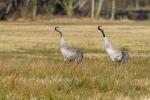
column 31, row 66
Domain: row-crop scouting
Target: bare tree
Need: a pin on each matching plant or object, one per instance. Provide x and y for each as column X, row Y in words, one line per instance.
column 70, row 5
column 50, row 7
column 113, row 9
column 34, row 12
column 82, row 3
column 9, row 6
column 99, row 8
column 67, row 5
column 92, row 8
column 30, row 8
column 137, row 5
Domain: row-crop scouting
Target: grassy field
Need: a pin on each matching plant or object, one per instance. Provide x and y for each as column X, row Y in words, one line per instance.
column 32, row 67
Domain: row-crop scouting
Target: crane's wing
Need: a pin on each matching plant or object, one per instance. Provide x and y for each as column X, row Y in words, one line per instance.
column 125, row 57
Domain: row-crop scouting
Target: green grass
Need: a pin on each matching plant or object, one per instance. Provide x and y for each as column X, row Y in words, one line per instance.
column 32, row 67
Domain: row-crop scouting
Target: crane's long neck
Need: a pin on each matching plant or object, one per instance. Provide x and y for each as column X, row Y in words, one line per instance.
column 103, row 33
column 62, row 41
column 61, row 34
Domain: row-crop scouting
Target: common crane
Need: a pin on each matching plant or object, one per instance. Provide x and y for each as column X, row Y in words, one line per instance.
column 69, row 54
column 115, row 54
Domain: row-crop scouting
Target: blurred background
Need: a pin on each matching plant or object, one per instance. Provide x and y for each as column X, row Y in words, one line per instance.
column 104, row 9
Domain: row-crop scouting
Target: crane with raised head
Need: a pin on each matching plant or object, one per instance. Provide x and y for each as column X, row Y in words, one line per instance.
column 69, row 54
column 114, row 53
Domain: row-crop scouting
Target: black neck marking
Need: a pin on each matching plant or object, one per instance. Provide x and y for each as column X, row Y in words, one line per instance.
column 101, row 29
column 103, row 33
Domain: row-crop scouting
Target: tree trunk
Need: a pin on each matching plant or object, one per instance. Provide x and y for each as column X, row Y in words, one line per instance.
column 113, row 9
column 34, row 9
column 9, row 6
column 82, row 3
column 137, row 5
column 70, row 8
column 92, row 8
column 99, row 8
column 67, row 5
column 26, row 6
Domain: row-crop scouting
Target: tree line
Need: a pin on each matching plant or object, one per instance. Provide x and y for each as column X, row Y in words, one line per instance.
column 30, row 9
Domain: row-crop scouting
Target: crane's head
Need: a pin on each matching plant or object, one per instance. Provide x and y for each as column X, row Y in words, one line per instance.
column 58, row 30
column 102, row 30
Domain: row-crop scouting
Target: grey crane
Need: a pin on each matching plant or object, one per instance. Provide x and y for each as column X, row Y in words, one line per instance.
column 69, row 54
column 115, row 54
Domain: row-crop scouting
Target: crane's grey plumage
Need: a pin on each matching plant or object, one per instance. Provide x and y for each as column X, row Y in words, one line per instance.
column 124, row 57
column 115, row 54
column 69, row 54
